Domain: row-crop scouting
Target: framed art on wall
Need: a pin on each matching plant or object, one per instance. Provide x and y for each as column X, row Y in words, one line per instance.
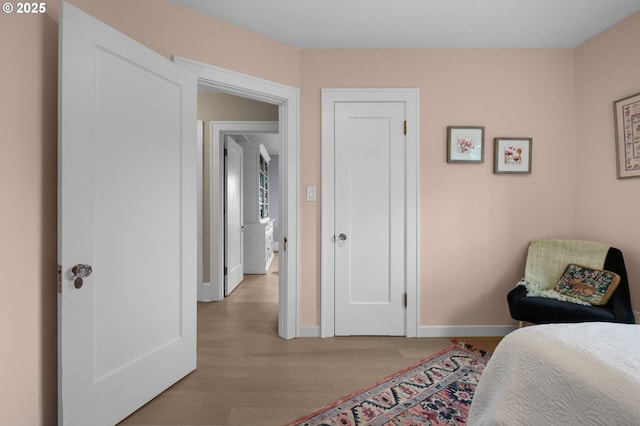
column 465, row 144
column 626, row 114
column 512, row 155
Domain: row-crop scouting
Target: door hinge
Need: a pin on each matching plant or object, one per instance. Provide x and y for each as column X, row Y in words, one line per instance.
column 285, row 243
column 59, row 278
column 225, row 270
column 226, row 151
column 405, row 127
column 405, row 299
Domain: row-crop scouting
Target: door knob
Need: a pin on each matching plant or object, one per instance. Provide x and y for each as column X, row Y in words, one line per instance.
column 342, row 237
column 80, row 271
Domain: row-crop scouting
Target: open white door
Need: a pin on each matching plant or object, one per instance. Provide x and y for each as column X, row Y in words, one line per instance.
column 127, row 208
column 234, row 231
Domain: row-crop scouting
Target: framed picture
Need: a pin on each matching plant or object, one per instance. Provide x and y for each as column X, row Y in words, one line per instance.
column 465, row 144
column 512, row 155
column 626, row 114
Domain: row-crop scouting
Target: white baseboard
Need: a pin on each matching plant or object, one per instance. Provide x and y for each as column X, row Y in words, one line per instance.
column 435, row 331
column 464, row 330
column 309, row 331
column 276, row 246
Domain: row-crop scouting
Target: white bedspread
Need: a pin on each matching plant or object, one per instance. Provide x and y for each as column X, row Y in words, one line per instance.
column 562, row 374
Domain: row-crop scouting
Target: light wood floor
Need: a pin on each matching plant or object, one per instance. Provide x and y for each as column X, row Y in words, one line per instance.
column 247, row 375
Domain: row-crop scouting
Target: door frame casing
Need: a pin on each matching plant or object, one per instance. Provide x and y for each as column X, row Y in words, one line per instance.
column 288, row 100
column 214, row 289
column 409, row 97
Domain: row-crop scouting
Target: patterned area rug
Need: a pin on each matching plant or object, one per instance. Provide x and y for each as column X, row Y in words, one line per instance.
column 435, row 391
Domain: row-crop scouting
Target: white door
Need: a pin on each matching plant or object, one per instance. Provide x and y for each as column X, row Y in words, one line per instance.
column 127, row 208
column 369, row 218
column 234, row 248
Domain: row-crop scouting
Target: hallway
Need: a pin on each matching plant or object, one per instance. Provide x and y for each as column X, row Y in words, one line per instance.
column 247, row 375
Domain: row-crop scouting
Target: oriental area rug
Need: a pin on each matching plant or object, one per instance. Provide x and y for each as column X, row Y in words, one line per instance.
column 435, row 391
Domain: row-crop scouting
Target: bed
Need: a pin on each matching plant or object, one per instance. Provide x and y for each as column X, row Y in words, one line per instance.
column 562, row 374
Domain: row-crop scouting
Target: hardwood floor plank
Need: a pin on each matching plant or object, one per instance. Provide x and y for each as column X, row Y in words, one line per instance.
column 247, row 375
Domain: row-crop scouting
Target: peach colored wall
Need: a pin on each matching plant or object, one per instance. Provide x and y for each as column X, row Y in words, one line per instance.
column 170, row 30
column 475, row 226
column 28, row 175
column 607, row 69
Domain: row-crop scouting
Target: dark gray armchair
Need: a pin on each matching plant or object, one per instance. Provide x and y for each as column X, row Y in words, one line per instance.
column 542, row 310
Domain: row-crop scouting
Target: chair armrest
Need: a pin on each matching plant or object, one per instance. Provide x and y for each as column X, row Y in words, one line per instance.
column 621, row 306
column 513, row 296
column 620, row 302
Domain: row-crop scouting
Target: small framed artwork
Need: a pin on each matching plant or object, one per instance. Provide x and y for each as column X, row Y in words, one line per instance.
column 626, row 114
column 512, row 155
column 465, row 144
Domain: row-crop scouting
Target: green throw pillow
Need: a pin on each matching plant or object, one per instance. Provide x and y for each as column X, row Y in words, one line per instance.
column 589, row 285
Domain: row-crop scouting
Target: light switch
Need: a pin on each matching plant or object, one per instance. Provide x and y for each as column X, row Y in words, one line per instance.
column 311, row 193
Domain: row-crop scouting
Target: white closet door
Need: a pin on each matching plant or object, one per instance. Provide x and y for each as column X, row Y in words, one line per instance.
column 369, row 218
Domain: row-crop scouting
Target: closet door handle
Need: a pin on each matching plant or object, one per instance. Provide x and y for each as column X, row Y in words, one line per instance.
column 341, row 237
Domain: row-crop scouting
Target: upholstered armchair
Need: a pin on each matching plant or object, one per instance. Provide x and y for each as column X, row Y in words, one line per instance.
column 541, row 310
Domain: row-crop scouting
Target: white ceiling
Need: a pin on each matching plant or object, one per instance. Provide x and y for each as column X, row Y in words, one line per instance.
column 318, row 24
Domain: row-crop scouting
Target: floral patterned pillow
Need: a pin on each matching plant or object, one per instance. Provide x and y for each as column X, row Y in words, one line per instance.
column 589, row 285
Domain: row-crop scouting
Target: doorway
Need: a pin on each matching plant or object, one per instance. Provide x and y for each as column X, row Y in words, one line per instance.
column 287, row 100
column 212, row 288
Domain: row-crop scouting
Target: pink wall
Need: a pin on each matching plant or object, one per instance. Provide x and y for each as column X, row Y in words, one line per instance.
column 607, row 209
column 28, row 161
column 170, row 30
column 475, row 225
